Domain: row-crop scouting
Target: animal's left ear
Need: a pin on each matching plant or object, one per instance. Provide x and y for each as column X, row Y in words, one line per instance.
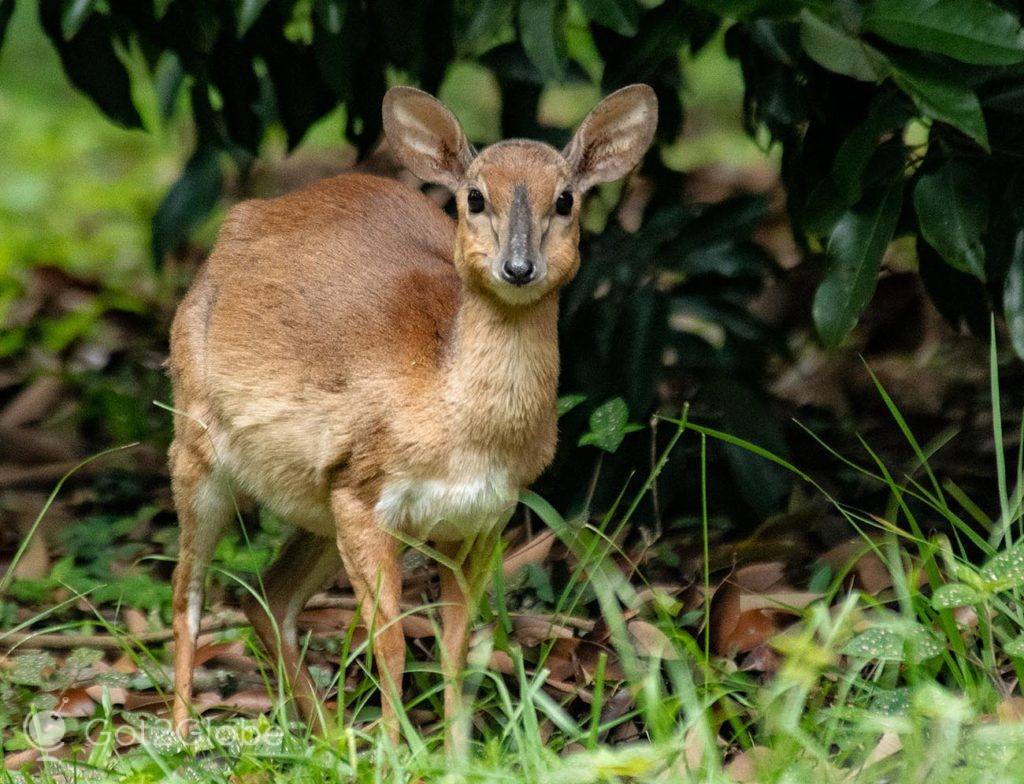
column 614, row 136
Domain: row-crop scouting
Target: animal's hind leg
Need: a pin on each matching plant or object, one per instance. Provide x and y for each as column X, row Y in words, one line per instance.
column 305, row 564
column 205, row 507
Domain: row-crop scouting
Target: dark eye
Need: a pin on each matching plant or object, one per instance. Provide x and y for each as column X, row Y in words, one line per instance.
column 475, row 200
column 563, row 204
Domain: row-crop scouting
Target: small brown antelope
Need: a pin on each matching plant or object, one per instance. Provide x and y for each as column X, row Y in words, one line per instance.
column 362, row 365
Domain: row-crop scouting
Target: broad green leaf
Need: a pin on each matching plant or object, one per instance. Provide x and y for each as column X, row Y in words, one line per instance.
column 91, row 62
column 1015, row 647
column 189, row 200
column 74, row 16
column 890, row 643
column 6, row 11
column 838, row 51
column 855, row 252
column 248, row 14
column 973, row 31
column 886, row 113
column 488, row 22
column 1013, row 295
column 940, row 94
column 618, row 15
column 743, row 9
column 567, row 403
column 952, row 216
column 1004, row 571
column 542, row 37
column 609, row 424
column 951, row 595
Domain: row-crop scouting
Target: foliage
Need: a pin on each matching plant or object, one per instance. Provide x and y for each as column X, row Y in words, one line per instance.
column 895, row 117
column 906, row 676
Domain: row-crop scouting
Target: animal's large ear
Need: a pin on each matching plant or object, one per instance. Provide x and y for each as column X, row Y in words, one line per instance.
column 614, row 136
column 426, row 136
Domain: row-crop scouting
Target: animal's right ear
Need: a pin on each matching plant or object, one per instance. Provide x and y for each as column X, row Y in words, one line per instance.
column 426, row 136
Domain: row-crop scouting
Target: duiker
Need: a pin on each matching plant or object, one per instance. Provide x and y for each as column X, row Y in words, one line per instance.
column 375, row 372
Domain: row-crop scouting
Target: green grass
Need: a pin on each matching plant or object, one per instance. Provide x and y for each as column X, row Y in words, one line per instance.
column 913, row 684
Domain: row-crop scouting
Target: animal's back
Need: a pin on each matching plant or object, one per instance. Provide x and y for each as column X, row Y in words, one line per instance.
column 342, row 277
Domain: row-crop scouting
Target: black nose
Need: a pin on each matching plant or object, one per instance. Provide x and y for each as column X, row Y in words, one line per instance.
column 518, row 271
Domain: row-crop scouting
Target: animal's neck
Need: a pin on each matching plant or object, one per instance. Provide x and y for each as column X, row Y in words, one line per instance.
column 501, row 374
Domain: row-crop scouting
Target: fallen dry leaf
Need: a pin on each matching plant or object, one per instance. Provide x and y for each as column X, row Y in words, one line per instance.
column 534, row 551
column 651, row 641
column 1011, row 710
column 742, row 768
column 75, row 703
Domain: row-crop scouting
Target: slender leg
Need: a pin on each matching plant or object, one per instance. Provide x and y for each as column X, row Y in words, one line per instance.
column 205, row 507
column 460, row 596
column 372, row 561
column 305, row 564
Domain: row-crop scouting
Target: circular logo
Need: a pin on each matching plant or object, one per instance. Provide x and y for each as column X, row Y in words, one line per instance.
column 44, row 730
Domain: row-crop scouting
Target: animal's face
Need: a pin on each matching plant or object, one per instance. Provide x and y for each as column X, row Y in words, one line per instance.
column 518, row 222
column 519, row 201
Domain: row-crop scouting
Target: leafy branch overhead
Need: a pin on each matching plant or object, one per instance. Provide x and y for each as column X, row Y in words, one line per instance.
column 896, row 117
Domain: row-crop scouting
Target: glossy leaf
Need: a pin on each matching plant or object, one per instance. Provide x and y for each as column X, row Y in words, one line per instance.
column 1013, row 295
column 838, row 51
column 1015, row 647
column 618, row 15
column 91, row 62
column 485, row 24
column 6, row 11
column 541, row 34
column 74, row 16
column 942, row 95
column 953, row 215
column 855, row 252
column 973, row 31
column 188, row 202
column 952, row 595
column 890, row 643
column 1005, row 570
column 609, row 424
column 887, row 113
column 248, row 14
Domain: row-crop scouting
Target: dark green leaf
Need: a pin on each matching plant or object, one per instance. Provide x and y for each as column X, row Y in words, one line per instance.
column 951, row 216
column 541, row 33
column 483, row 25
column 951, row 595
column 248, row 14
column 609, row 424
column 974, row 31
column 91, row 62
column 886, row 113
column 6, row 11
column 74, row 16
column 618, row 15
column 855, row 252
column 1013, row 296
column 958, row 296
column 941, row 94
column 190, row 200
column 1005, row 570
column 742, row 9
column 567, row 403
column 764, row 485
column 838, row 51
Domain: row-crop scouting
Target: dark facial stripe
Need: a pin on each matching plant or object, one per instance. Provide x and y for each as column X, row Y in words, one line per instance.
column 520, row 224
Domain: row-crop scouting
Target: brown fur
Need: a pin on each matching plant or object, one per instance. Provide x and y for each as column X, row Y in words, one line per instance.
column 347, row 353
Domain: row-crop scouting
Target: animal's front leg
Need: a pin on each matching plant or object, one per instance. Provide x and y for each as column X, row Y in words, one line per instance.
column 372, row 560
column 461, row 589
